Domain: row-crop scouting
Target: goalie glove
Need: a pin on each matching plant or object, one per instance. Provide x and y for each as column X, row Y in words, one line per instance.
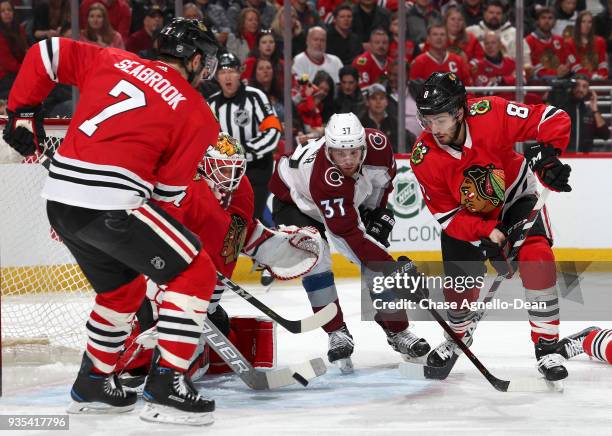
column 24, row 130
column 287, row 252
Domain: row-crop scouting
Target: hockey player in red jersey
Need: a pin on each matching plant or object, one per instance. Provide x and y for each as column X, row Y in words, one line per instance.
column 218, row 207
column 340, row 184
column 134, row 142
column 480, row 189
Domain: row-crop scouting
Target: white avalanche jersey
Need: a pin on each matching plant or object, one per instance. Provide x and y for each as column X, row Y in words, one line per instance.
column 311, row 182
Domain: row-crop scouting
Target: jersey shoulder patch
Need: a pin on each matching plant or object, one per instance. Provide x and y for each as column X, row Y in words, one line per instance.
column 480, row 107
column 419, row 151
column 362, row 60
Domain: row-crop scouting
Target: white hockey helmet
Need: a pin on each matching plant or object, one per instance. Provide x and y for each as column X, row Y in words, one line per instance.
column 223, row 165
column 344, row 131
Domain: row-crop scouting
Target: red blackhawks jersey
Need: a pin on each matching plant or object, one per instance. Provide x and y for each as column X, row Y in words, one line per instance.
column 138, row 131
column 424, row 65
column 370, row 69
column 592, row 62
column 223, row 232
column 467, row 191
column 546, row 54
column 311, row 182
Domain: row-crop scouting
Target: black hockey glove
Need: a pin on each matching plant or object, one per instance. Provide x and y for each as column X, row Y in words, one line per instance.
column 21, row 138
column 379, row 223
column 543, row 160
column 406, row 266
column 498, row 254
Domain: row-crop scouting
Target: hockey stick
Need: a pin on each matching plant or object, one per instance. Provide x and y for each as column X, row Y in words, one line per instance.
column 440, row 373
column 257, row 379
column 499, row 384
column 307, row 324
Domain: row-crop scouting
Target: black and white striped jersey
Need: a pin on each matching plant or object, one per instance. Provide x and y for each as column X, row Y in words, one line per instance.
column 249, row 117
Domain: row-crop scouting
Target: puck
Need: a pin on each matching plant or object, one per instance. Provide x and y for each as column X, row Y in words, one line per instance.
column 300, row 379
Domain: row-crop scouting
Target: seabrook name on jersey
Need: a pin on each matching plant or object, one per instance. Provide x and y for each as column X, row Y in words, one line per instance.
column 153, row 79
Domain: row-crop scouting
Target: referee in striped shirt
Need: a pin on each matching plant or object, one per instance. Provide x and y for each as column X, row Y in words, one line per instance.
column 247, row 115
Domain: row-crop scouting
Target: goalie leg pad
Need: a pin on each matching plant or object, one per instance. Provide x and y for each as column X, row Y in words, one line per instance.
column 321, row 291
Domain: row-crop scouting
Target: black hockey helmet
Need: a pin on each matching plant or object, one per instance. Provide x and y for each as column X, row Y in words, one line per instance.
column 182, row 38
column 442, row 92
column 229, row 61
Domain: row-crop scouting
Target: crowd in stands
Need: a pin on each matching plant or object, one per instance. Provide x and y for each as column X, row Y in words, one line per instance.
column 345, row 54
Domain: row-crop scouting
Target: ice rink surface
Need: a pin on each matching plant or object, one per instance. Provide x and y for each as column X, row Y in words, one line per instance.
column 376, row 399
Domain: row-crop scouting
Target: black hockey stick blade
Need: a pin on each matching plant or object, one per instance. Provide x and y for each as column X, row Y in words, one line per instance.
column 307, row 324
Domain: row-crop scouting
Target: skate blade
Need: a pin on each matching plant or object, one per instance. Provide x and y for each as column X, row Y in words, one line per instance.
column 170, row 415
column 535, row 385
column 96, row 408
column 345, row 365
column 411, row 370
column 421, row 360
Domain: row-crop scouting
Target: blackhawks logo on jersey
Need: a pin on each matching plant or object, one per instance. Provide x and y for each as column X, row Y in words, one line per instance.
column 418, row 153
column 480, row 107
column 483, row 188
column 235, row 239
column 362, row 61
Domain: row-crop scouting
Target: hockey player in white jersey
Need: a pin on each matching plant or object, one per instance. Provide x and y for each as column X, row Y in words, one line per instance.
column 340, row 184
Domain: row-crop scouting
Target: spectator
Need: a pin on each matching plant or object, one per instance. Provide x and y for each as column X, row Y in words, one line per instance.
column 118, row 12
column 472, row 12
column 372, row 65
column 438, row 58
column 267, row 49
column 495, row 69
column 367, row 15
column 246, row 114
column 141, row 7
column 587, row 49
column 349, row 97
column 217, row 16
column 565, row 11
column 151, row 25
column 243, row 40
column 314, row 58
column 99, row 30
column 460, row 41
column 298, row 42
column 341, row 41
column 307, row 15
column 419, row 18
column 48, row 18
column 587, row 122
column 603, row 26
column 411, row 50
column 192, row 12
column 263, row 77
column 326, row 9
column 410, row 108
column 325, row 97
column 493, row 20
column 376, row 116
column 548, row 51
column 266, row 12
column 13, row 46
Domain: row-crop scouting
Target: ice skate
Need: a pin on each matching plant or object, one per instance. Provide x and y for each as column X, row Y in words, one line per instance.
column 99, row 393
column 550, row 361
column 410, row 346
column 571, row 346
column 340, row 349
column 171, row 397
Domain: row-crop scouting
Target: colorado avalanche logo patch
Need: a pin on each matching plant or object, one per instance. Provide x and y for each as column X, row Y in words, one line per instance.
column 333, row 177
column 377, row 140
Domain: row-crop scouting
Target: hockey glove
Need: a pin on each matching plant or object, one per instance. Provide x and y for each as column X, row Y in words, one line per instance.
column 24, row 130
column 379, row 223
column 498, row 255
column 409, row 268
column 543, row 160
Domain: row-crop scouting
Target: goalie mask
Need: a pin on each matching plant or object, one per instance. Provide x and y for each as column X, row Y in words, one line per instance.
column 223, row 166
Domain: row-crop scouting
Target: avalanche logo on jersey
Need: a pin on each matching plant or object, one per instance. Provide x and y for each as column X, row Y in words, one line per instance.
column 418, row 153
column 333, row 177
column 480, row 107
column 483, row 188
column 378, row 141
column 234, row 239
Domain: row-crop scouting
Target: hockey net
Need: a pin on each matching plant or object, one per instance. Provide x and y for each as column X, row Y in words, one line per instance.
column 45, row 297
